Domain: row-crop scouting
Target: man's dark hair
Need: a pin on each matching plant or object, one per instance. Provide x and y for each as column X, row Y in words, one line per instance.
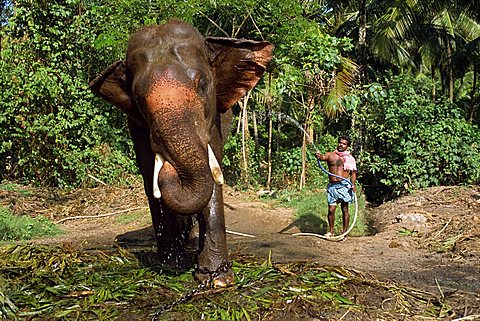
column 345, row 138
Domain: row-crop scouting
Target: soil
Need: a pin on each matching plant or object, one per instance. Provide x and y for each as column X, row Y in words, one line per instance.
column 428, row 240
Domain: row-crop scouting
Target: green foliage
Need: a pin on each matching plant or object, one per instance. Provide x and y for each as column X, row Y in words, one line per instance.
column 406, row 232
column 135, row 216
column 13, row 187
column 307, row 60
column 412, row 142
column 233, row 160
column 19, row 228
column 52, row 133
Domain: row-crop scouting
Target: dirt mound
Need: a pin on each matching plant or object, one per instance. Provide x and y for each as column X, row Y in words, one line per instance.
column 441, row 219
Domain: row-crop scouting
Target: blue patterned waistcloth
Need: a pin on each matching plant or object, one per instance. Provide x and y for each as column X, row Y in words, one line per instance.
column 339, row 191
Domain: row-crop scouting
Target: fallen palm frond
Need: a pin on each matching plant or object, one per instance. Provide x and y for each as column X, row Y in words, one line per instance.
column 58, row 283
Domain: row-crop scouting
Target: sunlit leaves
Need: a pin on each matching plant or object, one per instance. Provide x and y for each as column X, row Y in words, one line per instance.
column 50, row 129
column 414, row 142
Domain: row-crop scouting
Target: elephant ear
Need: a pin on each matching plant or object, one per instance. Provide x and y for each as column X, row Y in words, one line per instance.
column 237, row 65
column 112, row 85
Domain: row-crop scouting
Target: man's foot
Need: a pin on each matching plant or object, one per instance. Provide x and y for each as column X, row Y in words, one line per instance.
column 329, row 234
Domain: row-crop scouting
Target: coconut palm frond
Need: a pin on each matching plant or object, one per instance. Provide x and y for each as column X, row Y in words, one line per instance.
column 444, row 20
column 468, row 27
column 341, row 84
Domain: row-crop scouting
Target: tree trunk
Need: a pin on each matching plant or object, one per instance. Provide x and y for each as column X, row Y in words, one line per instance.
column 442, row 79
column 434, row 89
column 362, row 59
column 305, row 139
column 255, row 130
column 472, row 94
column 304, row 162
column 362, row 40
column 269, row 152
column 279, row 131
column 245, row 138
column 240, row 118
column 450, row 71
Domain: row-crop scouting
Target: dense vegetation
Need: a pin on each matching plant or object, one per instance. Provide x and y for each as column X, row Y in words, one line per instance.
column 400, row 77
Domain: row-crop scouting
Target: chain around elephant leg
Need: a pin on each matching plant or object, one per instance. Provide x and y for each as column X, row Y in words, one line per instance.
column 187, row 296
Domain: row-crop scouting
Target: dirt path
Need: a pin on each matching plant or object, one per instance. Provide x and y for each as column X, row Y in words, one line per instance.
column 387, row 254
column 438, row 250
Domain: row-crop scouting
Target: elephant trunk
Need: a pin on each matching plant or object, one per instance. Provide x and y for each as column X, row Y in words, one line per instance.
column 179, row 138
column 185, row 181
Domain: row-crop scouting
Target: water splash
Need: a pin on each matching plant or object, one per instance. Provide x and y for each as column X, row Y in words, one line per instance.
column 286, row 118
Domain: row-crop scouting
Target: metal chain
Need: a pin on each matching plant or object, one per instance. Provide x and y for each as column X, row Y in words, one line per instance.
column 187, row 296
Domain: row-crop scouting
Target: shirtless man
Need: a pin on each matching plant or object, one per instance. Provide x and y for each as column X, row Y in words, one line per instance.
column 341, row 163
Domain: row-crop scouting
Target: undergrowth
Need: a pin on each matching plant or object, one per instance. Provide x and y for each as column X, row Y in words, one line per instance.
column 64, row 283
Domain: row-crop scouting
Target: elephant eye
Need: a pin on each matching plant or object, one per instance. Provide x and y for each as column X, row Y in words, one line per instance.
column 202, row 86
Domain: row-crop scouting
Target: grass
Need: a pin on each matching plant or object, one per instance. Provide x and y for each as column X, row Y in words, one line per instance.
column 64, row 283
column 13, row 187
column 20, row 228
column 311, row 210
column 139, row 216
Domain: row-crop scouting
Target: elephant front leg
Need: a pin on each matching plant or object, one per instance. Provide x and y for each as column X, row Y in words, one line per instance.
column 171, row 230
column 213, row 255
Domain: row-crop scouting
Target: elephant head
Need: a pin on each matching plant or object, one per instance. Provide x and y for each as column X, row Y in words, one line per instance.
column 176, row 83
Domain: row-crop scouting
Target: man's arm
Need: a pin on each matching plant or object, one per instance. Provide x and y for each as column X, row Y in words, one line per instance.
column 353, row 179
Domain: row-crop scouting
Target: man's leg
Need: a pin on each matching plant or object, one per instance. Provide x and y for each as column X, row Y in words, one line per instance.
column 346, row 216
column 331, row 217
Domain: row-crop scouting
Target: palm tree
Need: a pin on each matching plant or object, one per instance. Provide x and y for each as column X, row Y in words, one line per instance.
column 421, row 35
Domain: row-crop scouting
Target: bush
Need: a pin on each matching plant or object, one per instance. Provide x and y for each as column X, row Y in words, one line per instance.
column 411, row 142
column 52, row 130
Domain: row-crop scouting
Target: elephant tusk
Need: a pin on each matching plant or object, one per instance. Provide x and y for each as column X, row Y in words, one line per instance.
column 156, row 170
column 215, row 167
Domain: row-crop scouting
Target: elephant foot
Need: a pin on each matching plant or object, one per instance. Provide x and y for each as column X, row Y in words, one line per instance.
column 220, row 278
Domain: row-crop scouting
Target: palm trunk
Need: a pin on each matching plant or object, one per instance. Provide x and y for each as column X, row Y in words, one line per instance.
column 304, row 162
column 362, row 39
column 306, row 129
column 240, row 118
column 472, row 94
column 434, row 92
column 269, row 152
column 245, row 138
column 450, row 71
column 255, row 130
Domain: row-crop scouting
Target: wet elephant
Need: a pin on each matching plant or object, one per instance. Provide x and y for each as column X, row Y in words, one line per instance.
column 177, row 88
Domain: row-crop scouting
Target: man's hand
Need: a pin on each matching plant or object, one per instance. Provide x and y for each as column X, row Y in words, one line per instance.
column 318, row 155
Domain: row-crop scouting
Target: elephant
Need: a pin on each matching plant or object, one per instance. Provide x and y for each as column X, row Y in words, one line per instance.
column 177, row 88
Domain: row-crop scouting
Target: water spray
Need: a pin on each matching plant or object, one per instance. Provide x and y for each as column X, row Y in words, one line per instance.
column 310, row 141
